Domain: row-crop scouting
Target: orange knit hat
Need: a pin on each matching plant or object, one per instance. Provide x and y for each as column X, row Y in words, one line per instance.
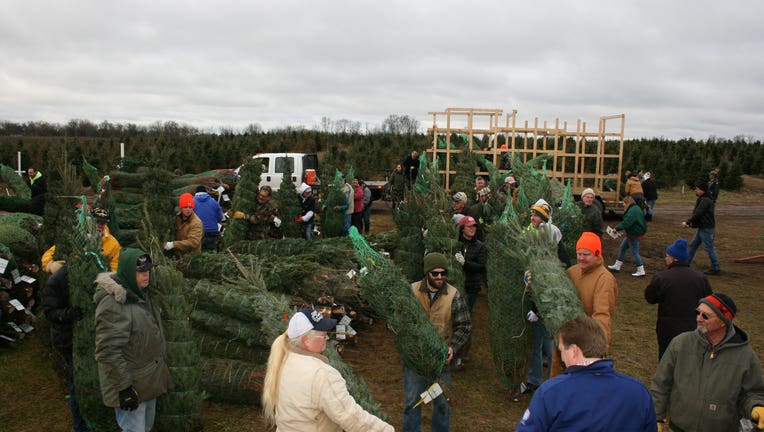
column 591, row 242
column 186, row 200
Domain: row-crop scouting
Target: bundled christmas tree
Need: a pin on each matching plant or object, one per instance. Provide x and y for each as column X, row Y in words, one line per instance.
column 9, row 176
column 389, row 294
column 288, row 202
column 332, row 219
column 245, row 201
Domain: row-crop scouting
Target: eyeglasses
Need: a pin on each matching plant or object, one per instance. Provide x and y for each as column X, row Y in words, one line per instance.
column 443, row 273
column 705, row 316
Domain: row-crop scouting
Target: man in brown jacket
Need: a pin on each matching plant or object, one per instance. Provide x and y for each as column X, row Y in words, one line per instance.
column 188, row 228
column 596, row 287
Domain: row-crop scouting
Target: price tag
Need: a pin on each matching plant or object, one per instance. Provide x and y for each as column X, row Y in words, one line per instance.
column 15, row 275
column 3, row 265
column 345, row 320
column 225, row 198
column 28, row 279
column 17, row 304
column 350, row 274
column 26, row 328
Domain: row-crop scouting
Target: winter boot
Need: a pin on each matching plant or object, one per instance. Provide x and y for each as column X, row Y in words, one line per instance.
column 640, row 271
column 616, row 266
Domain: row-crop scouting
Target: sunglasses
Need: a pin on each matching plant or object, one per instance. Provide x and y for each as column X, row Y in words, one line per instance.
column 438, row 273
column 703, row 314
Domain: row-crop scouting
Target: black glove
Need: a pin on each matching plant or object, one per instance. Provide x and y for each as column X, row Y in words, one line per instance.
column 128, row 399
column 75, row 314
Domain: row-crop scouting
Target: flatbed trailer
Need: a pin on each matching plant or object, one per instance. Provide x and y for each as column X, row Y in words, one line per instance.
column 583, row 157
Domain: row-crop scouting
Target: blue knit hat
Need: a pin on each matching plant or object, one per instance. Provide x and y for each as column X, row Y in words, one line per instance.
column 678, row 250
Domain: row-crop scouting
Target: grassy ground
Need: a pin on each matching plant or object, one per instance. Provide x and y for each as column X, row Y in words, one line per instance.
column 31, row 398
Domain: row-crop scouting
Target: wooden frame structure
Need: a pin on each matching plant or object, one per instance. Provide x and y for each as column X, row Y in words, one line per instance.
column 586, row 159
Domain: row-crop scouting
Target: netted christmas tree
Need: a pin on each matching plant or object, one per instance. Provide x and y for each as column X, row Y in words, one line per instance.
column 332, row 217
column 9, row 176
column 244, row 200
column 287, row 200
column 523, row 267
column 180, row 409
column 389, row 293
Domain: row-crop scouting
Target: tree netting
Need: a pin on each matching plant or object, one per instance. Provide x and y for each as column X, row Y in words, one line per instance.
column 386, row 289
column 335, row 252
column 245, row 200
column 214, row 346
column 515, row 250
column 15, row 181
column 233, row 381
column 331, row 219
column 287, row 200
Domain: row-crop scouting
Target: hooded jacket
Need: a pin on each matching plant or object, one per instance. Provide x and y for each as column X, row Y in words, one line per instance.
column 633, row 222
column 208, row 211
column 129, row 339
column 702, row 388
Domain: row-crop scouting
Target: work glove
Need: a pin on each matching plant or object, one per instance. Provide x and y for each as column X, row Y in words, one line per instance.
column 459, row 258
column 169, row 246
column 276, row 221
column 239, row 215
column 298, row 220
column 128, row 399
column 74, row 313
column 757, row 415
column 531, row 316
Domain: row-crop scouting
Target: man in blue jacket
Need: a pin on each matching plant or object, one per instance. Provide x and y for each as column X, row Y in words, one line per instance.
column 210, row 213
column 590, row 395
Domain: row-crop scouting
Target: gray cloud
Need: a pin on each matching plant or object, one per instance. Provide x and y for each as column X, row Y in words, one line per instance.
column 676, row 69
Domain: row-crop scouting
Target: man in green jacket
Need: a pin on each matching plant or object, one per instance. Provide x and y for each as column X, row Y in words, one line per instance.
column 130, row 343
column 709, row 378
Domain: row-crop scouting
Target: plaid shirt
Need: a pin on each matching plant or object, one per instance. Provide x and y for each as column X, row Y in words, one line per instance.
column 460, row 317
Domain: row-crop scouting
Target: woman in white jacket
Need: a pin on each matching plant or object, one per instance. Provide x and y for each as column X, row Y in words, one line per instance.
column 302, row 392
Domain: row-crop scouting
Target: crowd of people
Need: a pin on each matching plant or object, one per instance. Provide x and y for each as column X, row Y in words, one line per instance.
column 708, row 377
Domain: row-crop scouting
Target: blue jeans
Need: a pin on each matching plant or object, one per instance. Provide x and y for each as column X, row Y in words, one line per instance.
column 308, row 230
column 138, row 420
column 705, row 236
column 367, row 218
column 650, row 206
column 414, row 385
column 543, row 345
column 346, row 223
column 633, row 245
column 78, row 423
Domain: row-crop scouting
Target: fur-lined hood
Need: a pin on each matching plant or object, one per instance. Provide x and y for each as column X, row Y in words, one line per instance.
column 107, row 285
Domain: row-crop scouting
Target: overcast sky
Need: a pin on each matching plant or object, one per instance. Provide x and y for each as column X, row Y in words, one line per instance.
column 675, row 68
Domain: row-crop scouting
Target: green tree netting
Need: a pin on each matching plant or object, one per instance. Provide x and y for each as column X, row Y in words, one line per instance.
column 515, row 250
column 213, row 346
column 244, row 200
column 233, row 381
column 386, row 289
column 287, row 200
column 332, row 220
column 335, row 252
column 15, row 181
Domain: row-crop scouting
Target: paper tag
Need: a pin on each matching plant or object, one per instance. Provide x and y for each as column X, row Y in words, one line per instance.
column 3, row 265
column 225, row 197
column 431, row 393
column 16, row 328
column 26, row 328
column 351, row 274
column 340, row 336
column 364, row 271
column 28, row 279
column 340, row 329
column 15, row 275
column 6, row 338
column 17, row 304
column 612, row 232
column 345, row 320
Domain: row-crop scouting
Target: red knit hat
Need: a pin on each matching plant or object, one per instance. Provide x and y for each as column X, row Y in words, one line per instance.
column 186, row 200
column 591, row 242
